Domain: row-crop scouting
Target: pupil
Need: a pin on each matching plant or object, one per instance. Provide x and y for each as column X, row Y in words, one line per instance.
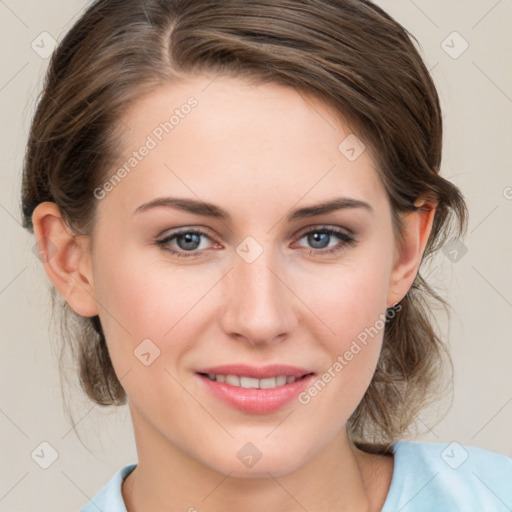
column 319, row 237
column 190, row 240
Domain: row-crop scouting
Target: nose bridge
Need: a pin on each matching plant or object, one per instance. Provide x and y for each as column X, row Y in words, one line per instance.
column 259, row 305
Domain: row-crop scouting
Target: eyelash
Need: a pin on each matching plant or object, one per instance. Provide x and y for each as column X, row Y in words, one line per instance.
column 345, row 241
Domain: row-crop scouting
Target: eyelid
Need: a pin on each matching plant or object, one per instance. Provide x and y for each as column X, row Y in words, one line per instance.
column 167, row 233
column 342, row 230
column 202, row 232
column 184, row 229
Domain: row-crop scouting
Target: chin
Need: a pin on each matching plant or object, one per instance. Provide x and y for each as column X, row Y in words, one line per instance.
column 250, row 462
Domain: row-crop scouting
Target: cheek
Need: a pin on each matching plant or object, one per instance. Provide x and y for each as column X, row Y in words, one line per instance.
column 348, row 297
column 350, row 301
column 147, row 299
column 148, row 322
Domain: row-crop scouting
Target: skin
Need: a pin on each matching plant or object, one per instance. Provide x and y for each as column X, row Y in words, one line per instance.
column 258, row 152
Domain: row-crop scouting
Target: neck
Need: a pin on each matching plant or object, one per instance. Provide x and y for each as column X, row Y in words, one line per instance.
column 339, row 478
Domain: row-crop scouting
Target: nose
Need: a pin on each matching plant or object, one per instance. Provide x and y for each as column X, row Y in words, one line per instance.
column 259, row 304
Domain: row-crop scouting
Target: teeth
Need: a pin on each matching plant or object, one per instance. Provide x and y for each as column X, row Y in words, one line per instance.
column 281, row 380
column 251, row 382
column 233, row 380
column 268, row 383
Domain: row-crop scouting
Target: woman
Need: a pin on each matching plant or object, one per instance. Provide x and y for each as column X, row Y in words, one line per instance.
column 234, row 200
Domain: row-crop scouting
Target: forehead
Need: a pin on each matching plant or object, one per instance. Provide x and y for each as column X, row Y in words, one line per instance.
column 209, row 136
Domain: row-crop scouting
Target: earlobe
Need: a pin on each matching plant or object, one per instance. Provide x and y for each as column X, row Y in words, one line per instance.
column 66, row 258
column 417, row 226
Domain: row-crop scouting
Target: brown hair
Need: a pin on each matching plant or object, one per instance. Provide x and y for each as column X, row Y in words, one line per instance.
column 349, row 54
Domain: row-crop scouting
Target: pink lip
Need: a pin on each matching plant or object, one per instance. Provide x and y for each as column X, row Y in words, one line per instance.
column 257, row 401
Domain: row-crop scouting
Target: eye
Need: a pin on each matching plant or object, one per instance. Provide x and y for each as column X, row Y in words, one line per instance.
column 187, row 241
column 320, row 238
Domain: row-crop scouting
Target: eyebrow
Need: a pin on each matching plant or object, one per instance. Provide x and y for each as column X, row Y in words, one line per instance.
column 210, row 210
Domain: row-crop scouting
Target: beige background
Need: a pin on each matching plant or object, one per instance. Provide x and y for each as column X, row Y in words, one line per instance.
column 476, row 92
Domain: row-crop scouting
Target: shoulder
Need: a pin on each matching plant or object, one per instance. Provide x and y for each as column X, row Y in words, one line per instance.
column 435, row 476
column 109, row 497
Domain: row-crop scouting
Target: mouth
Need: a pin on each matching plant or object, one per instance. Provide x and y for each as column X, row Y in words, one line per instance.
column 242, row 381
column 255, row 390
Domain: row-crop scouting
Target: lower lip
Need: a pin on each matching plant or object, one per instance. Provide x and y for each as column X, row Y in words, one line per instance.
column 257, row 401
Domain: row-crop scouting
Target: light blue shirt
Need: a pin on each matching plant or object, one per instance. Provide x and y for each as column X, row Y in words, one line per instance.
column 427, row 477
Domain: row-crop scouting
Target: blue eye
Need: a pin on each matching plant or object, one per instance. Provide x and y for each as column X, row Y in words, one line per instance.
column 320, row 238
column 187, row 243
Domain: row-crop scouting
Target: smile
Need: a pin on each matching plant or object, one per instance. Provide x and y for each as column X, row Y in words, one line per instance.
column 255, row 390
column 251, row 382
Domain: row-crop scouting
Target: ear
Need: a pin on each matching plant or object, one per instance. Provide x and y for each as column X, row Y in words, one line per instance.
column 66, row 258
column 417, row 226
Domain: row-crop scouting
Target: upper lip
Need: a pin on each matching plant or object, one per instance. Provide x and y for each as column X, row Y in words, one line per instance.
column 261, row 372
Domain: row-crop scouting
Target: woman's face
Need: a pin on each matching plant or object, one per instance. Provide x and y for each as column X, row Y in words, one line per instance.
column 255, row 281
